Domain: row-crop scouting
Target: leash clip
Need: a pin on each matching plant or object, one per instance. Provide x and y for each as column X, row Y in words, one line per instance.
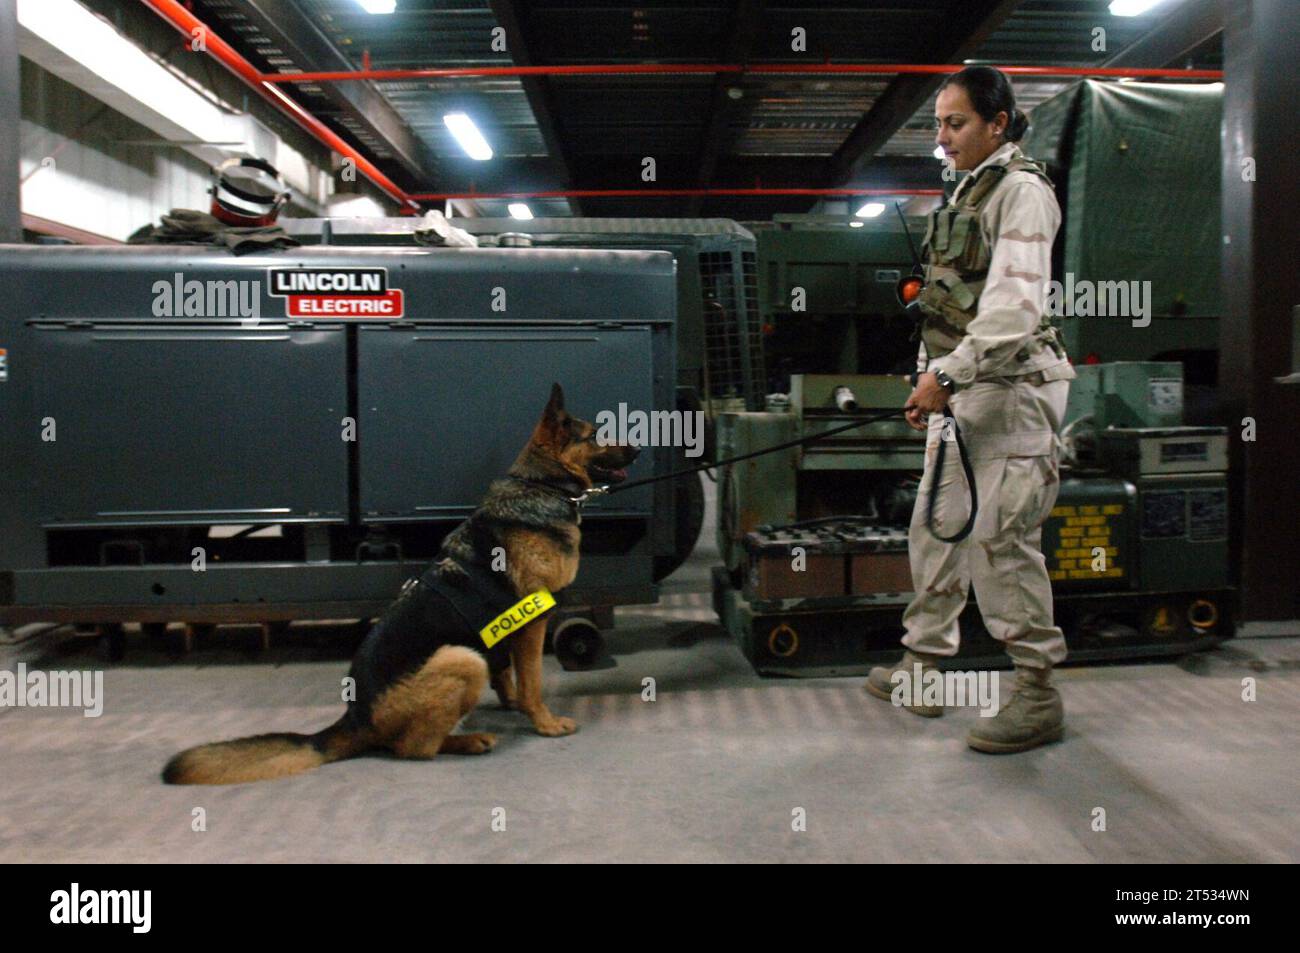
column 588, row 494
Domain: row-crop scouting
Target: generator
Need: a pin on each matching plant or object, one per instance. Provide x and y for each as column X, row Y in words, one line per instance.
column 814, row 543
column 719, row 336
column 196, row 437
column 719, row 339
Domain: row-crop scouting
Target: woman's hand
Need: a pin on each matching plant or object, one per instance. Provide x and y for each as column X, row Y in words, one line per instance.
column 928, row 397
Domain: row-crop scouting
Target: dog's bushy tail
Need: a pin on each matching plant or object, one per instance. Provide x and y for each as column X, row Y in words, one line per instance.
column 262, row 757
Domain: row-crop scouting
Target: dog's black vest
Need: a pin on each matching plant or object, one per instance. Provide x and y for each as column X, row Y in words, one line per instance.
column 432, row 612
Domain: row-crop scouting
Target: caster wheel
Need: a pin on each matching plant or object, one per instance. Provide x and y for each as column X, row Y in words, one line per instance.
column 196, row 633
column 112, row 642
column 268, row 632
column 578, row 643
column 160, row 640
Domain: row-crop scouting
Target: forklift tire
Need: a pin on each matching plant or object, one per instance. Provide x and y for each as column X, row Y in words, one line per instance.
column 688, row 513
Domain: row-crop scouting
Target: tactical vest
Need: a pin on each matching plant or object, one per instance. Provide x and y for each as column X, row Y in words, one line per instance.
column 957, row 265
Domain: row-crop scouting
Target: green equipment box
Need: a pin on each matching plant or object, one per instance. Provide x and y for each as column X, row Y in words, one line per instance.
column 1088, row 540
column 1183, row 528
column 1148, row 451
column 1127, row 394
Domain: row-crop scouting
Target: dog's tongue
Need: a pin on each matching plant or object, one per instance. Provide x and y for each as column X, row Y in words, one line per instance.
column 620, row 473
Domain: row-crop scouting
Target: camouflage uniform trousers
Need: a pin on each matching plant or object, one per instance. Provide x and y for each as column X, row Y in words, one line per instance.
column 1010, row 429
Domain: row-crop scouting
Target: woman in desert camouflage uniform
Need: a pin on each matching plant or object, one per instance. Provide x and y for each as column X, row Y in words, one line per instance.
column 990, row 353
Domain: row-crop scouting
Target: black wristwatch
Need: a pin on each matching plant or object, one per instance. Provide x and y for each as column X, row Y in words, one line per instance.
column 946, row 381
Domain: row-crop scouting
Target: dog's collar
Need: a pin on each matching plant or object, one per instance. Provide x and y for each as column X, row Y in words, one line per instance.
column 577, row 501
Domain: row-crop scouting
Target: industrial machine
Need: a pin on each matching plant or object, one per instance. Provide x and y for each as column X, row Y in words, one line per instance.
column 826, row 294
column 813, row 538
column 195, row 437
column 719, row 353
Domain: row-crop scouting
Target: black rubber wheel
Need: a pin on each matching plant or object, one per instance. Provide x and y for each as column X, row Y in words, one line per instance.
column 578, row 644
column 199, row 633
column 688, row 516
column 112, row 642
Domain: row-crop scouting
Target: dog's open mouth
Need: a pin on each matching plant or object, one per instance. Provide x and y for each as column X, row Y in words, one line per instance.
column 604, row 475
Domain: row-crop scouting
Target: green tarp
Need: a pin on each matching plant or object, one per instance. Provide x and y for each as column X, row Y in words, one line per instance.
column 1139, row 166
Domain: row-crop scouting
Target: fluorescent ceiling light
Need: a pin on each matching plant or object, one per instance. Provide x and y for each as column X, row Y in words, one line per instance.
column 378, row 6
column 856, row 224
column 520, row 210
column 870, row 210
column 1132, row 8
column 468, row 136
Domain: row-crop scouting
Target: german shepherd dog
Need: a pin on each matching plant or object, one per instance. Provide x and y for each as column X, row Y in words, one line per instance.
column 415, row 675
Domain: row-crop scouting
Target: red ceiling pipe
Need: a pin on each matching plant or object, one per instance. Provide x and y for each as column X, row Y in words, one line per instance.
column 187, row 23
column 654, row 193
column 715, row 68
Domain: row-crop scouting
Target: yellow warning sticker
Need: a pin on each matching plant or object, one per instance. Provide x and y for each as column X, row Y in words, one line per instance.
column 1083, row 537
column 517, row 616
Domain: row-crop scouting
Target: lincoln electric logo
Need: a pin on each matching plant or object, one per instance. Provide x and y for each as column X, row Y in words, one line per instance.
column 336, row 292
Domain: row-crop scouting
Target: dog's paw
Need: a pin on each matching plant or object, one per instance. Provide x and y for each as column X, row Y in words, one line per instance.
column 477, row 742
column 556, row 727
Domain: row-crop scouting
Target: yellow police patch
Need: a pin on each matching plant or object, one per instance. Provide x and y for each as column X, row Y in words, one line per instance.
column 517, row 616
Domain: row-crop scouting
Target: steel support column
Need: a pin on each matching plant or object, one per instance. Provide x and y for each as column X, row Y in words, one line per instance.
column 1261, row 285
column 11, row 228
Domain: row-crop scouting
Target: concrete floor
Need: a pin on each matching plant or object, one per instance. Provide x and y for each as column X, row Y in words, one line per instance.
column 713, row 770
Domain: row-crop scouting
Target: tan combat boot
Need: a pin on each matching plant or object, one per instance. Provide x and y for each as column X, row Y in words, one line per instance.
column 1033, row 716
column 880, row 680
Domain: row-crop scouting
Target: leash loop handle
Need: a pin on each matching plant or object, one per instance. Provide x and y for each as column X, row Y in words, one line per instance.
column 934, row 482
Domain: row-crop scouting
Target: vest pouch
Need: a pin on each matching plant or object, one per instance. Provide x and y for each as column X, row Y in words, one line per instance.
column 930, row 227
column 953, row 231
column 970, row 252
column 947, row 305
column 937, row 239
column 957, row 294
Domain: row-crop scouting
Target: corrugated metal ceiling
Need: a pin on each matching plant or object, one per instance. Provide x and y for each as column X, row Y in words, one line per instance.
column 781, row 128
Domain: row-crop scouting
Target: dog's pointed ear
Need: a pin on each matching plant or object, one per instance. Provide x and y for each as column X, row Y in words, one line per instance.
column 556, row 402
column 552, row 422
column 554, row 407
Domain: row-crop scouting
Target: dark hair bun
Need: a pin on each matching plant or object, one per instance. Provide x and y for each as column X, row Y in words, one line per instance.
column 1017, row 126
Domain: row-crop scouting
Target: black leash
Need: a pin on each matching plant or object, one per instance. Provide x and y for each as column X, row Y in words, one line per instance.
column 934, row 482
column 618, row 488
column 949, row 421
